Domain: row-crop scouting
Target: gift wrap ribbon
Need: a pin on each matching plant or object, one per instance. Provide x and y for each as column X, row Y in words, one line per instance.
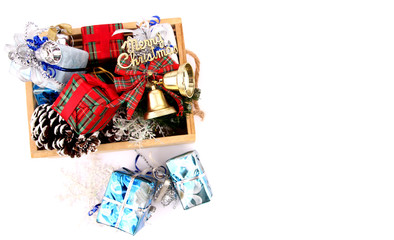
column 124, row 204
column 189, row 194
column 63, row 28
column 189, row 179
column 130, row 212
column 133, row 82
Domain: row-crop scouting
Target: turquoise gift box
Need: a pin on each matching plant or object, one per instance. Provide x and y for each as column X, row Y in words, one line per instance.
column 189, row 179
column 127, row 201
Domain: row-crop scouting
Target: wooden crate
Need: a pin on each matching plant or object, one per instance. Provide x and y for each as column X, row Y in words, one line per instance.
column 176, row 24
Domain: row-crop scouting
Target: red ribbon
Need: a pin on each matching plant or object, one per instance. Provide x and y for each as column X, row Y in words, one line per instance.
column 133, row 82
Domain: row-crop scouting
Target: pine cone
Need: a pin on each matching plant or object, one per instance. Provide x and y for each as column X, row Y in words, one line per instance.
column 108, row 134
column 42, row 122
column 50, row 131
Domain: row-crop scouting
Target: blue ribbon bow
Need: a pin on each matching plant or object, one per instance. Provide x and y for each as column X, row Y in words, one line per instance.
column 36, row 41
column 154, row 22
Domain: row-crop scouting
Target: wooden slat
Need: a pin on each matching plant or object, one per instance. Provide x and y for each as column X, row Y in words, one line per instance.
column 180, row 43
column 157, row 142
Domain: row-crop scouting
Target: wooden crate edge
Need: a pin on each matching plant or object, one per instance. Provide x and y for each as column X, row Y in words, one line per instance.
column 125, row 146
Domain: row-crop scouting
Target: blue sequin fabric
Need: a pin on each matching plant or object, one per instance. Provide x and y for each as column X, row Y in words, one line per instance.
column 44, row 95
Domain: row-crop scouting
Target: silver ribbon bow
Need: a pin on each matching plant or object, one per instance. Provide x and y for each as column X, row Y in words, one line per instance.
column 27, row 64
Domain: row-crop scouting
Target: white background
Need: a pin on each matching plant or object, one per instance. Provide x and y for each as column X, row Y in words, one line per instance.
column 297, row 141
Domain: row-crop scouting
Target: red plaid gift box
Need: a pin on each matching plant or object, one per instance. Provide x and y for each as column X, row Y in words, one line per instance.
column 99, row 42
column 85, row 103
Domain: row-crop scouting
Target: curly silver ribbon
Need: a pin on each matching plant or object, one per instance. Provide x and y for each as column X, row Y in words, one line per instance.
column 27, row 63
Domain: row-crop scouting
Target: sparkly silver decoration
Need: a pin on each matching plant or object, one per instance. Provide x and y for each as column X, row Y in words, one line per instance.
column 151, row 210
column 169, row 196
column 136, row 129
column 49, row 52
column 28, row 59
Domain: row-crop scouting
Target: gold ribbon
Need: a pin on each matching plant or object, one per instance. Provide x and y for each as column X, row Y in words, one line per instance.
column 102, row 70
column 64, row 28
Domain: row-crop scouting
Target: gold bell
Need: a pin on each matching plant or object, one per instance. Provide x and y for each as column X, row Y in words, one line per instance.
column 181, row 80
column 157, row 104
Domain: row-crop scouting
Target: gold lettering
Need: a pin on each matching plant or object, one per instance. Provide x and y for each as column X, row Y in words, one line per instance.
column 168, row 50
column 149, row 42
column 160, row 40
column 160, row 53
column 131, row 45
column 142, row 45
column 151, row 55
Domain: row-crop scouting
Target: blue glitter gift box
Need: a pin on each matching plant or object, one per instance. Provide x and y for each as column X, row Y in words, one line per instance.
column 127, row 201
column 44, row 95
column 190, row 181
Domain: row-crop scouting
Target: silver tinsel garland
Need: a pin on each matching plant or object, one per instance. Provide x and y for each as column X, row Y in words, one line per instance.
column 136, row 129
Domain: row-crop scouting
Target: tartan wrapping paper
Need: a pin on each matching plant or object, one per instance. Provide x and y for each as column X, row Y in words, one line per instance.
column 85, row 103
column 99, row 42
column 133, row 81
column 177, row 99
